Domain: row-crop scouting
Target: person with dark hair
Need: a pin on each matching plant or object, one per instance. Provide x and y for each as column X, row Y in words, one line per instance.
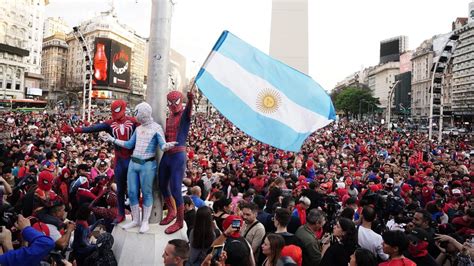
column 81, row 244
column 394, row 244
column 280, row 220
column 202, row 236
column 222, row 210
column 417, row 252
column 254, row 230
column 271, row 247
column 464, row 223
column 363, row 257
column 422, row 219
column 189, row 213
column 367, row 238
column 345, row 241
column 306, row 235
column 348, row 213
column 289, row 204
column 38, row 247
column 61, row 240
column 176, row 253
column 262, row 215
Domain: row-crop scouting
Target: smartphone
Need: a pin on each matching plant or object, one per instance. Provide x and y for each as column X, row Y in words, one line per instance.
column 236, row 223
column 216, row 252
column 286, row 192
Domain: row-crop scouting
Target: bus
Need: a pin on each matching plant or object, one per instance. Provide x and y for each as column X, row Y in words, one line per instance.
column 24, row 105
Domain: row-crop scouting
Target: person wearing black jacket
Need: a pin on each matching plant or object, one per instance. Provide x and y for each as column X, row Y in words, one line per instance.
column 339, row 251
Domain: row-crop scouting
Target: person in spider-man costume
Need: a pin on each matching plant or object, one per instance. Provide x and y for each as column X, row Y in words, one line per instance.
column 120, row 127
column 172, row 166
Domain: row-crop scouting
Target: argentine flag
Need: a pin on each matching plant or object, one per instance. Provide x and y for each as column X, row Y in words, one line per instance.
column 265, row 98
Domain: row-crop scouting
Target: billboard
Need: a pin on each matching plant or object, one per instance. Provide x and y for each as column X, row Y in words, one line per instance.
column 98, row 94
column 390, row 51
column 111, row 63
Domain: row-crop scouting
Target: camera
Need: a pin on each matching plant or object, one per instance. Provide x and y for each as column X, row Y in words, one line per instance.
column 8, row 217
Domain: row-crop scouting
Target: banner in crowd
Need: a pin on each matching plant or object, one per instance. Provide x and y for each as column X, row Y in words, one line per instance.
column 268, row 100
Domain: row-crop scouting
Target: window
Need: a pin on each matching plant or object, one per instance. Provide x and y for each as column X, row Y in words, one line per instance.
column 9, row 85
column 17, row 87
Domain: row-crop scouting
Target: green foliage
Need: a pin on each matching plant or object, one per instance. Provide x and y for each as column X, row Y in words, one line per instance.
column 351, row 99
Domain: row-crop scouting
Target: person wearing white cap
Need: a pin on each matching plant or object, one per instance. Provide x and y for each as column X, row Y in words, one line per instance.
column 300, row 209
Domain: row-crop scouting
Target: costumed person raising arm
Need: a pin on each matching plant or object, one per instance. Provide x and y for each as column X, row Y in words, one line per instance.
column 142, row 168
column 173, row 164
column 121, row 127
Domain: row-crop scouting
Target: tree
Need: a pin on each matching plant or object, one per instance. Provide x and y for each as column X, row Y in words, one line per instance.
column 350, row 100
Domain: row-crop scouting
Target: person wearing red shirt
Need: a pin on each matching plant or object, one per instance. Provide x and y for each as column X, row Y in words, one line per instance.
column 394, row 244
column 258, row 182
column 464, row 223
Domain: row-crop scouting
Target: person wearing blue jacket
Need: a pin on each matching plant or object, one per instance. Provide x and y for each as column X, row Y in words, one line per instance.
column 39, row 245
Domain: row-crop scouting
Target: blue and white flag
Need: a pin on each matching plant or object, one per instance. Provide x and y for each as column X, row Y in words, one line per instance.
column 265, row 98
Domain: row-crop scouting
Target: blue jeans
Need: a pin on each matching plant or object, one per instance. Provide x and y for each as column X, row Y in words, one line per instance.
column 141, row 175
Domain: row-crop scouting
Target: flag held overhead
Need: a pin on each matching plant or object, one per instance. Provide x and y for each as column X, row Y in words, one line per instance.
column 268, row 100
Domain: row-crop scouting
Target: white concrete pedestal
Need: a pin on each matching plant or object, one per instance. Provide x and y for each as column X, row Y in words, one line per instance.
column 132, row 248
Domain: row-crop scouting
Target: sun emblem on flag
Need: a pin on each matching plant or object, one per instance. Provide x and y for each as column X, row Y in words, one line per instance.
column 268, row 101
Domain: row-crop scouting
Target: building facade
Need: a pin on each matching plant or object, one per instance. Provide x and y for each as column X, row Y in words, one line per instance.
column 106, row 25
column 289, row 33
column 53, row 66
column 21, row 37
column 462, row 91
column 53, row 25
column 380, row 79
column 422, row 61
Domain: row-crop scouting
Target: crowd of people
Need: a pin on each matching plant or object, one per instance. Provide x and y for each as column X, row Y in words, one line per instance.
column 356, row 194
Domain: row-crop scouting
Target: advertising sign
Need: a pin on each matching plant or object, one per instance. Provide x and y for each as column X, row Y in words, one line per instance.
column 111, row 63
column 34, row 91
column 101, row 61
column 98, row 94
column 120, row 65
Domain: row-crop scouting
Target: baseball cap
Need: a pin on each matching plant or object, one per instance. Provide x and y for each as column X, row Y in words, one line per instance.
column 389, row 181
column 418, row 234
column 305, row 200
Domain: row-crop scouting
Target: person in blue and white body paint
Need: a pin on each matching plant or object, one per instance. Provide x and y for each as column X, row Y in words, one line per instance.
column 142, row 168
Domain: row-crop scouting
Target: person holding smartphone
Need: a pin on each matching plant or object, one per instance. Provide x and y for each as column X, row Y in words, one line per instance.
column 39, row 245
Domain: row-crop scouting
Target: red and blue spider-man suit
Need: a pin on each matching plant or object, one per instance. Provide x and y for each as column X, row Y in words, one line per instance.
column 120, row 127
column 173, row 164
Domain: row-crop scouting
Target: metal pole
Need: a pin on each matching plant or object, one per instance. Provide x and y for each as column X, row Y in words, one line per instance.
column 157, row 85
column 441, row 109
column 389, row 104
column 360, row 112
column 430, row 124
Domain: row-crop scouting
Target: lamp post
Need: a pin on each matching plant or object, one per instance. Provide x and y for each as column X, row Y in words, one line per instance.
column 389, row 103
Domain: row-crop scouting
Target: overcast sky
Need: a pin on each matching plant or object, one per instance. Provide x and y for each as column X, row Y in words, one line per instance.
column 344, row 35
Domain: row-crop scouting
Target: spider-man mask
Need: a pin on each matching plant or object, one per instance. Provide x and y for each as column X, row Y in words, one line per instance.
column 45, row 180
column 118, row 109
column 175, row 100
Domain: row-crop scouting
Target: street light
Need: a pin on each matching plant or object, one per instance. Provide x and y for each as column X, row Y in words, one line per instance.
column 389, row 103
